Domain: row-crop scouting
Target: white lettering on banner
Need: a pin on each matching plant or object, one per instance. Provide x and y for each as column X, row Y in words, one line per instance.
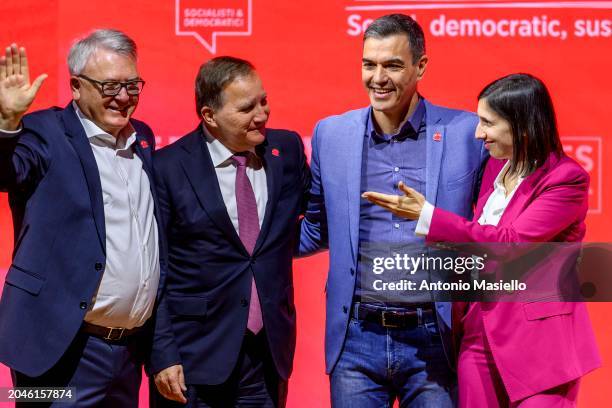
column 593, row 28
column 587, row 151
column 213, row 22
column 537, row 26
column 357, row 25
column 540, row 26
column 481, row 4
column 220, row 13
column 213, row 18
column 200, row 19
column 529, row 26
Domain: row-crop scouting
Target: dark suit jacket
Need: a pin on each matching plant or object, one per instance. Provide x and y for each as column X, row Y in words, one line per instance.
column 202, row 316
column 55, row 195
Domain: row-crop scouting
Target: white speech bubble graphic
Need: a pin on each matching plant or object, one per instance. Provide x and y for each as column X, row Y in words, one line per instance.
column 211, row 18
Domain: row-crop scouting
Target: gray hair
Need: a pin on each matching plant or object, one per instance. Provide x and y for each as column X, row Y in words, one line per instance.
column 108, row 39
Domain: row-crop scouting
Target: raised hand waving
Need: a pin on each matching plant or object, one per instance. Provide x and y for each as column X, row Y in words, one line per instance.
column 16, row 91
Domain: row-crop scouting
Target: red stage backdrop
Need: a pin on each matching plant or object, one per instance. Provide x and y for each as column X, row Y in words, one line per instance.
column 308, row 54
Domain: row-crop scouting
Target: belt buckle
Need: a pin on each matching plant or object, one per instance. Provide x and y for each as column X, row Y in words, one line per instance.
column 111, row 337
column 385, row 313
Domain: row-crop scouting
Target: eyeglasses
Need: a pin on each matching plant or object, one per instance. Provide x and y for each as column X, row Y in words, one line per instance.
column 112, row 88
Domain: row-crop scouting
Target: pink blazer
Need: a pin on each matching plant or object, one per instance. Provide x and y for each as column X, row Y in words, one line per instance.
column 537, row 345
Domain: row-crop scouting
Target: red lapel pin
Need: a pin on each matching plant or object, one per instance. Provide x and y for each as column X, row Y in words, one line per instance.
column 437, row 136
column 275, row 152
column 144, row 144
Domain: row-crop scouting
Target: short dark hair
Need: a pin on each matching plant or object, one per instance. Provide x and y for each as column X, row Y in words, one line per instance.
column 525, row 103
column 399, row 24
column 214, row 76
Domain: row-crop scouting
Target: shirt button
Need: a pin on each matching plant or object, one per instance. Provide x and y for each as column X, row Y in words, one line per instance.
column 396, row 169
column 243, row 302
column 98, row 266
column 352, row 271
column 83, row 305
column 344, row 309
column 396, row 225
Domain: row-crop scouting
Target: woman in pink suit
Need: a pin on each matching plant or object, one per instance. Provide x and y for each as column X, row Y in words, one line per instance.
column 516, row 354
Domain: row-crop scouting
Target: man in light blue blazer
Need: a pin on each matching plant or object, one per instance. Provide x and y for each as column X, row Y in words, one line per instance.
column 378, row 351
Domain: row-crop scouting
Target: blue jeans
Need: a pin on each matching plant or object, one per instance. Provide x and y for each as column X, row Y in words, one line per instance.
column 379, row 364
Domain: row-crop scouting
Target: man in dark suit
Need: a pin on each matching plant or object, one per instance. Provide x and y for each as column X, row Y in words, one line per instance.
column 86, row 264
column 231, row 193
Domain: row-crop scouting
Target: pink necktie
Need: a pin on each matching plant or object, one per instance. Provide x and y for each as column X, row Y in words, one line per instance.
column 248, row 230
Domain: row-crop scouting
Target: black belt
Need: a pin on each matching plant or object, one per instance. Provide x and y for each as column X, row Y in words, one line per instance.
column 109, row 333
column 395, row 319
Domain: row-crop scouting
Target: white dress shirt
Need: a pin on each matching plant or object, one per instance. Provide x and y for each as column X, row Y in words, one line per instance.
column 127, row 291
column 492, row 211
column 126, row 294
column 225, row 168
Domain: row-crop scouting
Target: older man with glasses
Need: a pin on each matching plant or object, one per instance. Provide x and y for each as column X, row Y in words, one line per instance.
column 86, row 268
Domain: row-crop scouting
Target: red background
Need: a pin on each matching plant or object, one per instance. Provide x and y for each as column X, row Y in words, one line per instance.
column 309, row 59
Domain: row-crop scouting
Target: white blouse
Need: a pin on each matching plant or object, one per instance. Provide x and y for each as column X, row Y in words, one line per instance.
column 498, row 200
column 491, row 213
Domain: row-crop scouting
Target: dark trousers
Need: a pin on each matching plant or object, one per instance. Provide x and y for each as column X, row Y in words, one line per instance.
column 104, row 374
column 253, row 383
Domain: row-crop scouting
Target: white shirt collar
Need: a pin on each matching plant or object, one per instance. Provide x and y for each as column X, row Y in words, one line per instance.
column 499, row 180
column 219, row 153
column 128, row 133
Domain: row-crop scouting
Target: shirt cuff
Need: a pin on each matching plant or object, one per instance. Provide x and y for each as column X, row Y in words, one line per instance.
column 422, row 228
column 10, row 133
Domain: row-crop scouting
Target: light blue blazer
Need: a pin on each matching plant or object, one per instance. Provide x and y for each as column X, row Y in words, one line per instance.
column 454, row 163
